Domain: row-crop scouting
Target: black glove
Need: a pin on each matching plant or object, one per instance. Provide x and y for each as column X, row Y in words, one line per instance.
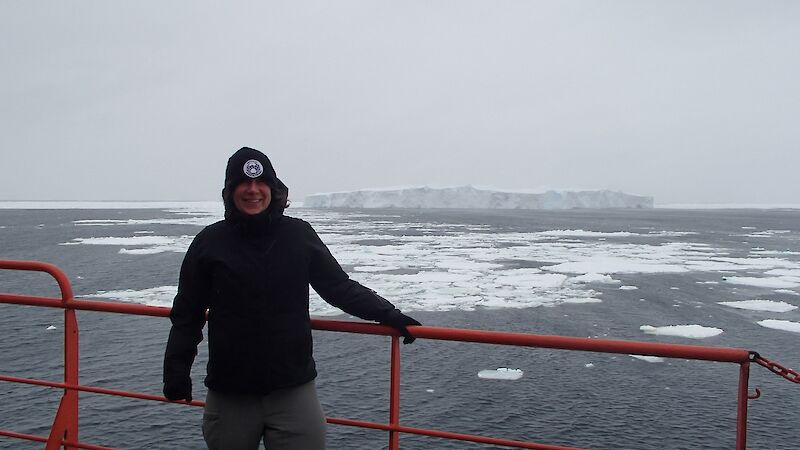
column 176, row 390
column 400, row 321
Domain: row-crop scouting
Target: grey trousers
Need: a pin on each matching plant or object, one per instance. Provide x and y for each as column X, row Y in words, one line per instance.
column 286, row 419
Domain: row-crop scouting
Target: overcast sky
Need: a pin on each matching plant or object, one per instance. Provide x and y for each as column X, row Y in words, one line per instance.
column 688, row 101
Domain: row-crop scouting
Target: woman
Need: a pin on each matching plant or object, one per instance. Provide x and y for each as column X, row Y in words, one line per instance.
column 252, row 271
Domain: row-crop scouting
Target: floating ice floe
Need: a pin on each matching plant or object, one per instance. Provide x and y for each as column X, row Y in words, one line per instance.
column 375, row 268
column 638, row 263
column 784, row 325
column 501, row 373
column 450, row 266
column 145, row 244
column 595, row 278
column 761, row 305
column 530, row 278
column 786, row 291
column 791, row 274
column 628, row 288
column 575, row 300
column 584, row 233
column 51, row 327
column 687, row 331
column 766, row 282
column 156, row 296
column 197, row 221
column 650, row 359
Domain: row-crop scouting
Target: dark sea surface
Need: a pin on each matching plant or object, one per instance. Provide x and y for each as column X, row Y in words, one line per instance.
column 579, row 399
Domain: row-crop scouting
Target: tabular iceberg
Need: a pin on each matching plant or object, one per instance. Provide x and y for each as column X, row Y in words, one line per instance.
column 469, row 197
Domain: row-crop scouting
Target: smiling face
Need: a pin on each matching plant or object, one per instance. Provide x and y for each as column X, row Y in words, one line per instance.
column 252, row 196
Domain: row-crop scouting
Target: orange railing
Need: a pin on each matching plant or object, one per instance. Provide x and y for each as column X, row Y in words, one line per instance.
column 64, row 431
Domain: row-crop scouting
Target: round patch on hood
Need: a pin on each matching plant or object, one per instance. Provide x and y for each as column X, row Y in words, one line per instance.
column 253, row 168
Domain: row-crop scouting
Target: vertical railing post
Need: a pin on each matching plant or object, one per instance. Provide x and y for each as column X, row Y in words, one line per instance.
column 741, row 414
column 394, row 395
column 70, row 410
column 71, row 375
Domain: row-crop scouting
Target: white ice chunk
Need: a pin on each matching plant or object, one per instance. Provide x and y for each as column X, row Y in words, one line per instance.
column 501, row 373
column 761, row 305
column 51, row 327
column 156, row 296
column 146, row 244
column 578, row 300
column 687, row 331
column 784, row 325
column 375, row 268
column 429, row 277
column 650, row 359
column 784, row 272
column 197, row 221
column 766, row 282
column 546, row 280
column 584, row 233
column 628, row 288
column 786, row 291
column 615, row 264
column 595, row 278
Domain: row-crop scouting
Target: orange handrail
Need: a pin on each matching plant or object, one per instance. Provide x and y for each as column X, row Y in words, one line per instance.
column 64, row 431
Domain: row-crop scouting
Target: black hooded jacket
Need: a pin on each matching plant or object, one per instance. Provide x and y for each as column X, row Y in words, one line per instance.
column 252, row 274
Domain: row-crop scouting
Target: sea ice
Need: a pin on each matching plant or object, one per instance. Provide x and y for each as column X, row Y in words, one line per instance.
column 200, row 221
column 584, row 233
column 766, row 282
column 784, row 325
column 786, row 291
column 687, row 331
column 146, row 245
column 433, row 277
column 650, row 359
column 156, row 296
column 375, row 268
column 501, row 373
column 450, row 266
column 545, row 280
column 472, row 197
column 628, row 288
column 51, row 327
column 761, row 305
column 595, row 278
column 793, row 273
column 576, row 300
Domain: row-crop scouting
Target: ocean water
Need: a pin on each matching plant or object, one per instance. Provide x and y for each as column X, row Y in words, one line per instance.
column 708, row 277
